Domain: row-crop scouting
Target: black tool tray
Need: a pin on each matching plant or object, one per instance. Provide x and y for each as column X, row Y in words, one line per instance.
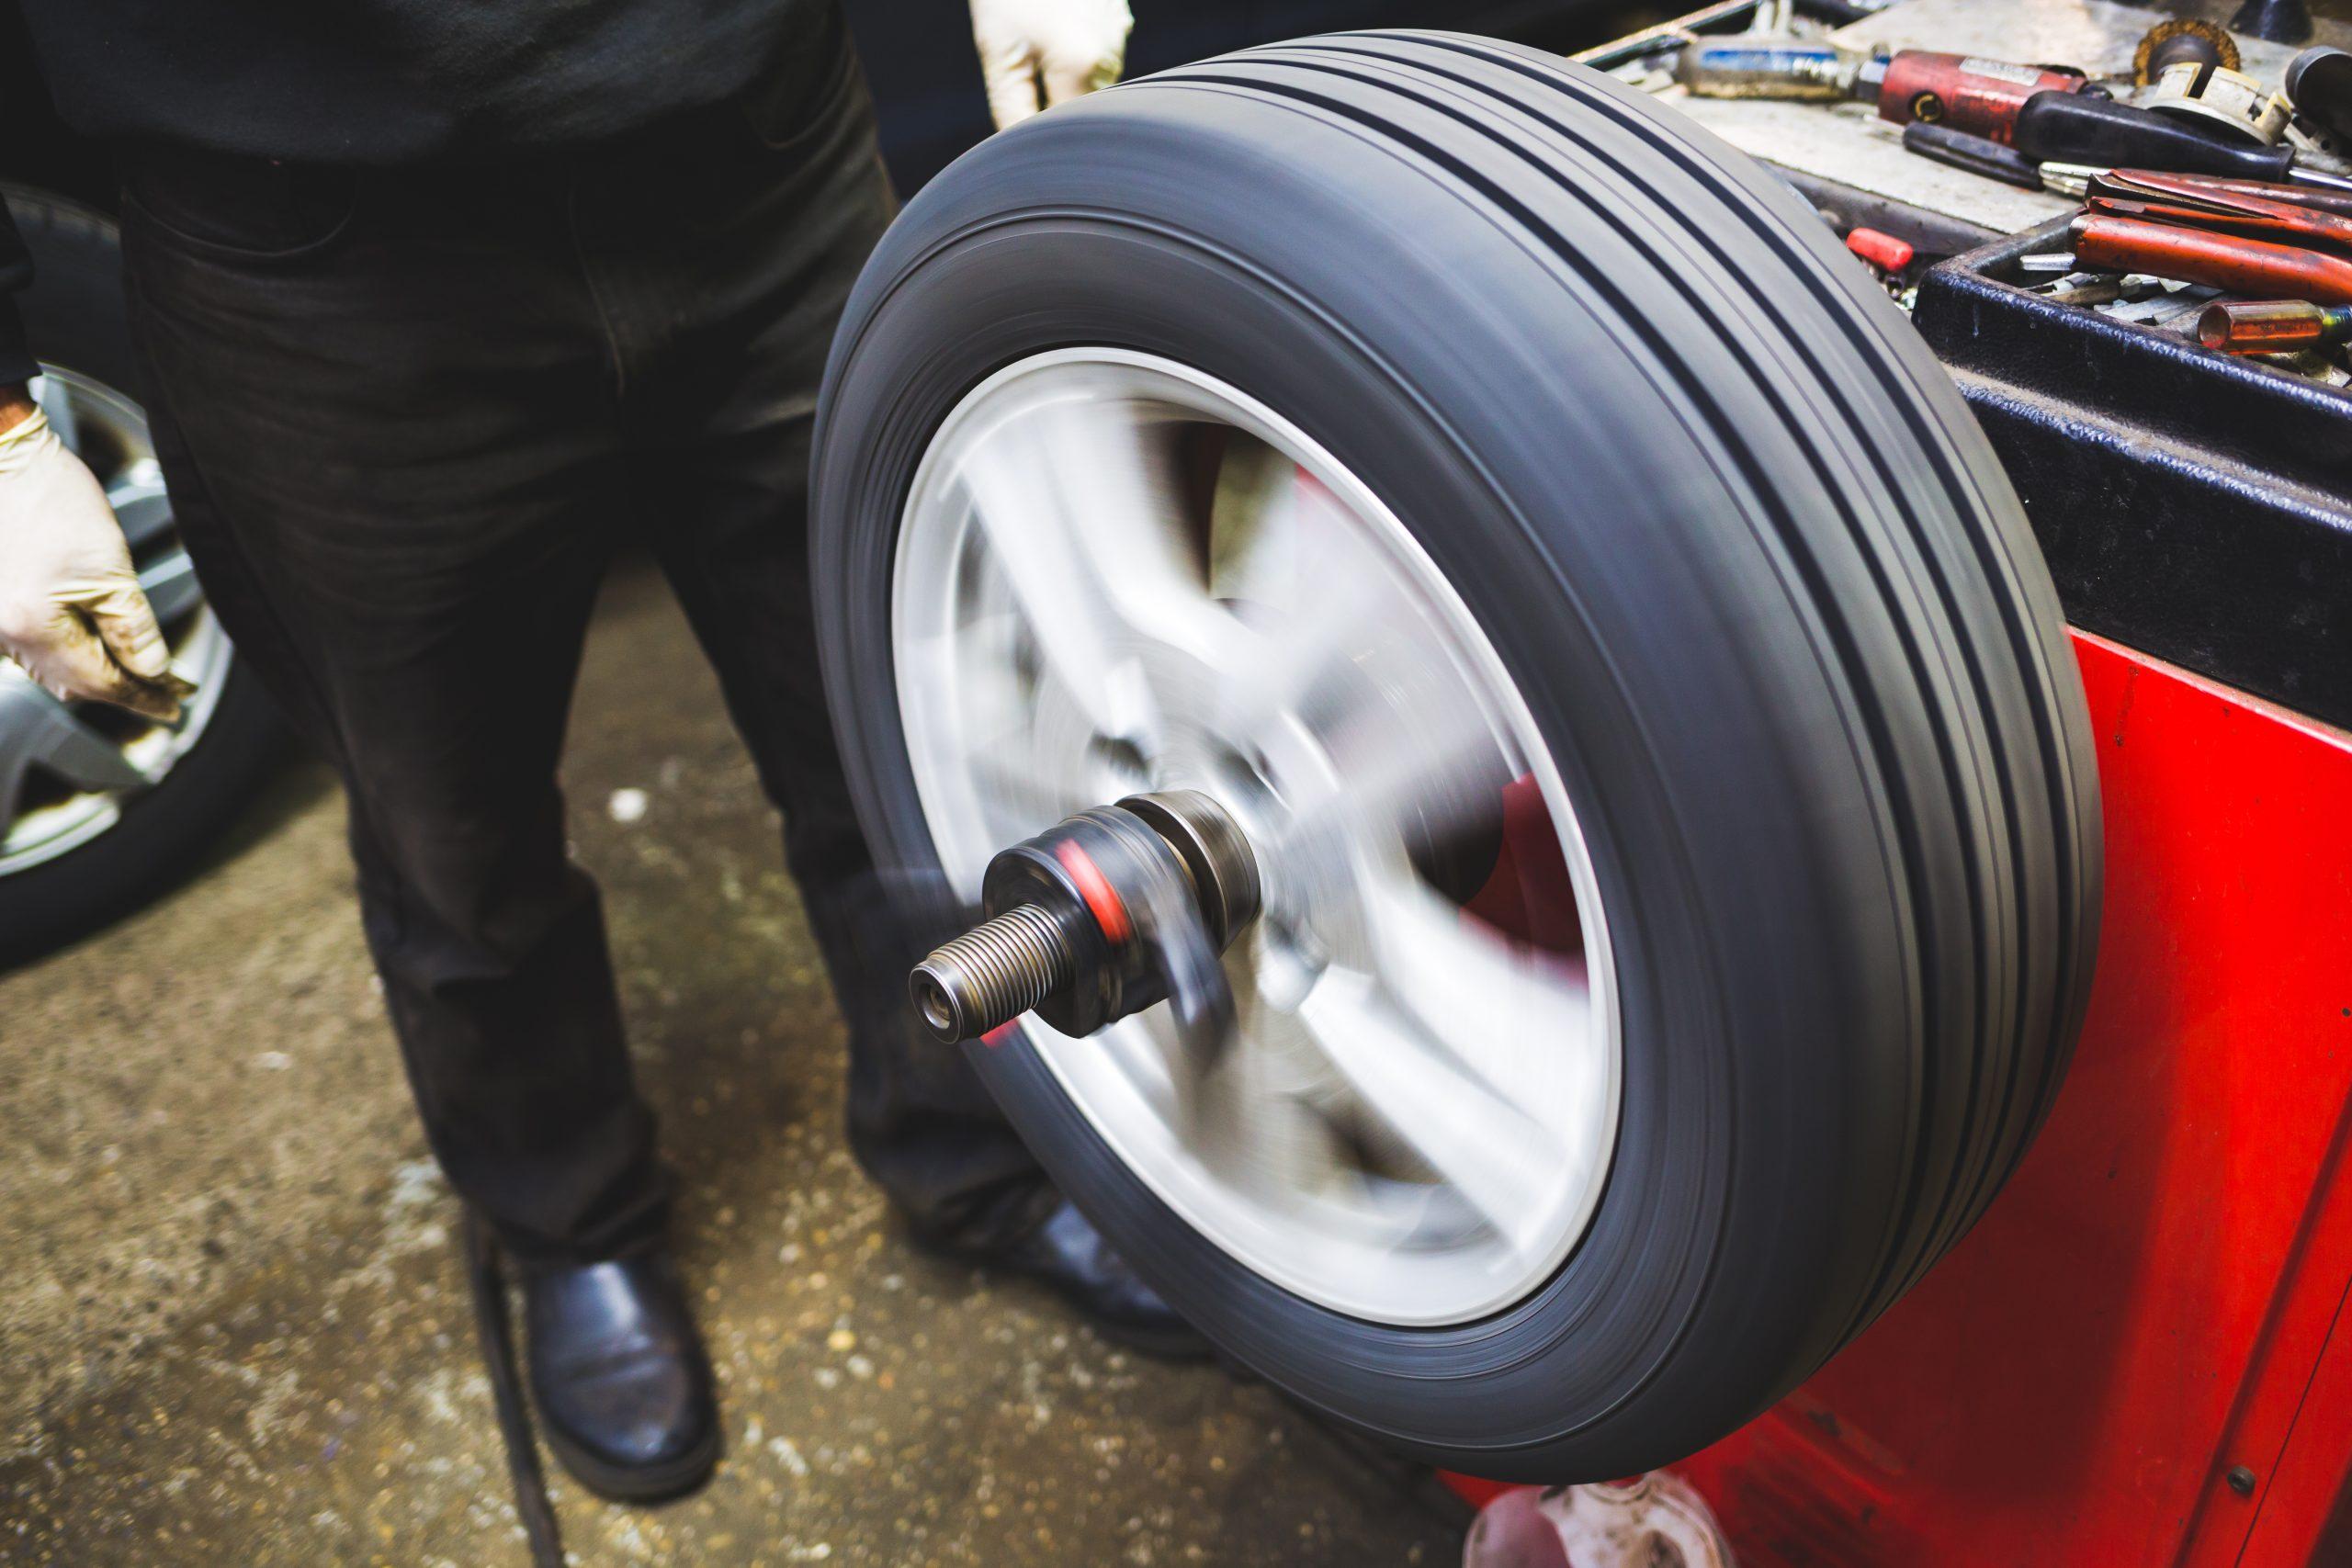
column 2192, row 505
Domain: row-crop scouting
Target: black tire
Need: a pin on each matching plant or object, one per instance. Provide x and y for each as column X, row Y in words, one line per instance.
column 75, row 317
column 1756, row 573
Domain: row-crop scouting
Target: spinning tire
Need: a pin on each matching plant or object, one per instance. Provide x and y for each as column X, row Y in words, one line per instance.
column 1692, row 511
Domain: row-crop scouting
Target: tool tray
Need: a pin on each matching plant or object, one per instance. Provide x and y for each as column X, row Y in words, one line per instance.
column 2190, row 504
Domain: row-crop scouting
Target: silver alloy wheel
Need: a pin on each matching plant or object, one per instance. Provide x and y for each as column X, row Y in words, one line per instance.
column 67, row 770
column 1115, row 573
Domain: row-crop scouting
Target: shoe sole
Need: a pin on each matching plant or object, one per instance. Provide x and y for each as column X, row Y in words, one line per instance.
column 635, row 1484
column 1172, row 1345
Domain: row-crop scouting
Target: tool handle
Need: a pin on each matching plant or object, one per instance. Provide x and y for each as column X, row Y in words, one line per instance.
column 2242, row 267
column 2127, row 184
column 2270, row 326
column 2071, row 127
column 2285, row 225
column 1767, row 68
column 1977, row 154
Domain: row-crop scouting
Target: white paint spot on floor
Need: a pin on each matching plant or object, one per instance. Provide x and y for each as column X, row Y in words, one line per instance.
column 628, row 805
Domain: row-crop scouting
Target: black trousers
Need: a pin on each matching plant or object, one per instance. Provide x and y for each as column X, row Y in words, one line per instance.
column 406, row 417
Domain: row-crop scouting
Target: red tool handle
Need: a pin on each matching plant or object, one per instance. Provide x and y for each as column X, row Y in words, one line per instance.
column 1966, row 91
column 2285, row 225
column 2224, row 261
column 1882, row 250
column 2142, row 185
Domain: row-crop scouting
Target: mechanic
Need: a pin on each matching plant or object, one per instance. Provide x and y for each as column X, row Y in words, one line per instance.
column 439, row 304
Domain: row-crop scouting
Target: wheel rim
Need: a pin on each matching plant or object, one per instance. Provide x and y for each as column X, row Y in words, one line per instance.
column 1413, row 1122
column 68, row 770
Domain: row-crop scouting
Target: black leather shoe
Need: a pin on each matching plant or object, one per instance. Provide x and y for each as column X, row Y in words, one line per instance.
column 620, row 1377
column 1068, row 1253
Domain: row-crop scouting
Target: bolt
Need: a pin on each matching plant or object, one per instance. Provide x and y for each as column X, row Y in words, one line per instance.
column 2241, row 1481
column 992, row 973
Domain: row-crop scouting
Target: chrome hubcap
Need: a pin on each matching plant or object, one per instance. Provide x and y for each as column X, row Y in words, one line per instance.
column 1116, row 574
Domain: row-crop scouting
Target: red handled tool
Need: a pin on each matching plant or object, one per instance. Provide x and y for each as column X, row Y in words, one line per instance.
column 2256, row 268
column 2146, row 185
column 2166, row 199
column 1882, row 250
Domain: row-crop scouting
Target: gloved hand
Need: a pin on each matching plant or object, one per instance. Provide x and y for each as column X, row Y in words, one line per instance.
column 1066, row 47
column 71, row 608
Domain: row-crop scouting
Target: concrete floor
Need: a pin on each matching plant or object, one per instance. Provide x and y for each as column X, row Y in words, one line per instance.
column 233, row 1325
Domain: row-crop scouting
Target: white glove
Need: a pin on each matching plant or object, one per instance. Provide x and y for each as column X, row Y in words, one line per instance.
column 70, row 609
column 1064, row 47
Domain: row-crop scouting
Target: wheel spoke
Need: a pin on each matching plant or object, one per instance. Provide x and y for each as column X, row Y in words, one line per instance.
column 1124, row 514
column 1248, row 1112
column 1021, row 511
column 36, row 730
column 1520, row 1020
column 1501, row 1161
column 1412, row 763
column 142, row 510
column 1267, row 1137
column 170, row 587
column 1080, row 505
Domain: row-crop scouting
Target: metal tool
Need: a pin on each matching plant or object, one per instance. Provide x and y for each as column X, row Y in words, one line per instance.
column 2047, row 263
column 2225, row 102
column 1977, row 154
column 1742, row 67
column 2273, row 326
column 2319, row 81
column 2225, row 261
column 2169, row 199
column 2183, row 38
column 2068, row 179
column 2074, row 128
column 1098, row 918
column 2142, row 185
column 1965, row 92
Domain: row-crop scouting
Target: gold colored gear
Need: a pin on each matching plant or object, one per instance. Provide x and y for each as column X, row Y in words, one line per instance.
column 2225, row 48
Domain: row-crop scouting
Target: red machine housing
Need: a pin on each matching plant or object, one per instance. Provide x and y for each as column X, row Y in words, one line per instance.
column 2138, row 1357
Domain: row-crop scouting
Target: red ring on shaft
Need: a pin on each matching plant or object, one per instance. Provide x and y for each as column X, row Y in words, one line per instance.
column 1095, row 889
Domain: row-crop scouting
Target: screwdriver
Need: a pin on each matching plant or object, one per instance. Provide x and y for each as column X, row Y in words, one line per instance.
column 1768, row 68
column 2072, row 128
column 1977, row 154
column 2272, row 326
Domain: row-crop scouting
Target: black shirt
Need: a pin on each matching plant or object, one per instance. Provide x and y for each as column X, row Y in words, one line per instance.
column 393, row 82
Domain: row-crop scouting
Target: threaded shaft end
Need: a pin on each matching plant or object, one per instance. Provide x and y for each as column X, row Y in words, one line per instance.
column 992, row 973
